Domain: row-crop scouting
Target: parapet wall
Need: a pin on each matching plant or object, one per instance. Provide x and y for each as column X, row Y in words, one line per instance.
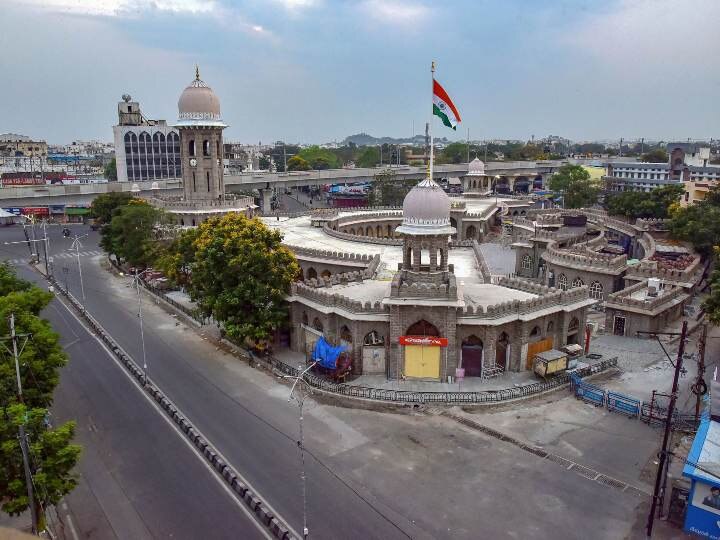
column 594, row 262
column 623, row 298
column 325, row 298
column 301, row 252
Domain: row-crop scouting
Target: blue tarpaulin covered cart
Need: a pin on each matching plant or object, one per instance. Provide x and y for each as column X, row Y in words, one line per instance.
column 332, row 360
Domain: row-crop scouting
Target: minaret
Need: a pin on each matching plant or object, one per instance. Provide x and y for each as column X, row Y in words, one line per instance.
column 201, row 143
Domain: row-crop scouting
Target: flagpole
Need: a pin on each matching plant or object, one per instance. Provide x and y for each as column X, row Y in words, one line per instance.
column 432, row 96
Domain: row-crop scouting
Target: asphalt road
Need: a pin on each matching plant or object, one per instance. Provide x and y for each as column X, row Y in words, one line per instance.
column 138, row 477
column 260, row 444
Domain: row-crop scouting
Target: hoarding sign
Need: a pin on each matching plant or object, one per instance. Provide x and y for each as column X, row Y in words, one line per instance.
column 426, row 341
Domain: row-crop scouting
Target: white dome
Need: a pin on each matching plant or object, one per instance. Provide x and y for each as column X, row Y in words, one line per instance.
column 476, row 168
column 198, row 105
column 426, row 210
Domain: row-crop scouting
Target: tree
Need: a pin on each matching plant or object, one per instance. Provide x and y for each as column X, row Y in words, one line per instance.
column 657, row 155
column 319, row 158
column 176, row 261
column 296, row 163
column 574, row 182
column 699, row 223
column 388, row 190
column 264, row 163
column 110, row 171
column 52, row 456
column 369, row 157
column 104, row 205
column 130, row 233
column 241, row 276
column 456, row 152
column 637, row 204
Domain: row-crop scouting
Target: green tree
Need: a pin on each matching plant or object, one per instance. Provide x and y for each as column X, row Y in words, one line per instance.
column 53, row 457
column 319, row 158
column 456, row 152
column 129, row 235
column 241, row 276
column 369, row 157
column 574, row 182
column 110, row 171
column 103, row 206
column 657, row 155
column 176, row 261
column 388, row 190
column 296, row 163
column 698, row 224
column 638, row 204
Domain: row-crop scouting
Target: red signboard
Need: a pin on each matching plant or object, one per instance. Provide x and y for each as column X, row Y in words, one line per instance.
column 23, row 181
column 35, row 210
column 427, row 341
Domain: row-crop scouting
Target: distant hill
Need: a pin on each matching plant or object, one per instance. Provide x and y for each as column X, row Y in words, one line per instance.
column 363, row 139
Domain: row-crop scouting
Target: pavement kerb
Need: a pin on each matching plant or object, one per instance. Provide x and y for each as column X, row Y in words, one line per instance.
column 224, row 471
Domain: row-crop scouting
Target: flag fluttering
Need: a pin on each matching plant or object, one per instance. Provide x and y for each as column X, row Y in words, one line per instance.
column 443, row 107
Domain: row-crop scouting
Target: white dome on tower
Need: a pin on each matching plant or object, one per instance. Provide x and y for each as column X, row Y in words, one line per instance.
column 426, row 210
column 198, row 105
column 476, row 168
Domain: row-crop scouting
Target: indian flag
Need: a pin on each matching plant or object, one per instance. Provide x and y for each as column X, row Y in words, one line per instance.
column 444, row 107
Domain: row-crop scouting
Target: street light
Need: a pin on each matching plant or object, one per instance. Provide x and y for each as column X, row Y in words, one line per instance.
column 136, row 280
column 77, row 245
column 301, row 442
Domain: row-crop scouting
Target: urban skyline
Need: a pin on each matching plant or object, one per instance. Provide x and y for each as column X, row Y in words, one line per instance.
column 583, row 71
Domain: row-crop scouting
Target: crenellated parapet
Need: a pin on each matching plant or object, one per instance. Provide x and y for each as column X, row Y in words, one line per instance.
column 329, row 299
column 365, row 239
column 424, row 286
column 648, row 303
column 650, row 269
column 301, row 252
column 652, row 224
column 481, row 262
column 590, row 261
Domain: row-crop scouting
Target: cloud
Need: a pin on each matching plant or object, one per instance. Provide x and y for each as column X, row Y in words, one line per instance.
column 122, row 8
column 650, row 34
column 396, row 13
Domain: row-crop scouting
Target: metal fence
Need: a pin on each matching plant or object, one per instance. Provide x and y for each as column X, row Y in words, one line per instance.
column 406, row 396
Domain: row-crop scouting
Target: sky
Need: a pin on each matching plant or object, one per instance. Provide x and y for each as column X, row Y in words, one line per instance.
column 315, row 71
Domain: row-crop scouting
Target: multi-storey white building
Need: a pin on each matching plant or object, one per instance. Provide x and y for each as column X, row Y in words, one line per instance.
column 144, row 149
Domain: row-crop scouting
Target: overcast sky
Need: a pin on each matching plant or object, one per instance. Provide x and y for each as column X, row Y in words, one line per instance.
column 318, row 70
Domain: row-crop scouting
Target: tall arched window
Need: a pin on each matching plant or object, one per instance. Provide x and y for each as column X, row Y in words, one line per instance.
column 526, row 262
column 596, row 290
column 206, row 148
column 207, row 176
column 191, row 147
column 562, row 282
column 373, row 338
column 577, row 283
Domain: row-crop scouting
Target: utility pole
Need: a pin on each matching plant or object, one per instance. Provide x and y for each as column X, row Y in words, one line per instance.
column 21, row 430
column 700, row 386
column 45, row 248
column 142, row 332
column 468, row 145
column 662, row 456
column 621, row 141
column 642, row 146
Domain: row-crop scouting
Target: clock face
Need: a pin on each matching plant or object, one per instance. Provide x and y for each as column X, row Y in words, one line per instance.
column 193, row 162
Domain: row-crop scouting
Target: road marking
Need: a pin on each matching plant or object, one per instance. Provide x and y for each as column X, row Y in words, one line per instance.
column 182, row 436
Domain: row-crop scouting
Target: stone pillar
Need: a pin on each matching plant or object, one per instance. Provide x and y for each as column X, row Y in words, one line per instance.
column 416, row 258
column 489, row 346
column 406, row 257
column 444, row 258
column 519, row 358
column 433, row 258
column 266, row 198
column 394, row 349
column 451, row 350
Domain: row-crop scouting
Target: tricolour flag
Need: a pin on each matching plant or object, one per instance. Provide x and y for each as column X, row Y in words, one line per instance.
column 444, row 107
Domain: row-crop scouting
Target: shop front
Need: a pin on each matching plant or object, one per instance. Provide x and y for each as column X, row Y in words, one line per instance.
column 35, row 211
column 76, row 214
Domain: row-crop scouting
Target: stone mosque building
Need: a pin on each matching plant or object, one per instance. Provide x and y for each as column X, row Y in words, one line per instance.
column 420, row 320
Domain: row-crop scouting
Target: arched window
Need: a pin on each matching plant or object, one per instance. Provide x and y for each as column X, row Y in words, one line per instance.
column 535, row 331
column 550, row 327
column 422, row 328
column 325, row 274
column 317, row 324
column 470, row 232
column 191, row 147
column 345, row 334
column 311, row 273
column 596, row 290
column 373, row 338
column 206, row 148
column 304, row 318
column 577, row 283
column 526, row 262
column 562, row 282
column 574, row 324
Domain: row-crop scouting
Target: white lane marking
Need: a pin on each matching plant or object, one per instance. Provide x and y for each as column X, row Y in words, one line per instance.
column 182, row 436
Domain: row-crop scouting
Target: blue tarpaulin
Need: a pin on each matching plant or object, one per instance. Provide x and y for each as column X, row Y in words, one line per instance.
column 325, row 354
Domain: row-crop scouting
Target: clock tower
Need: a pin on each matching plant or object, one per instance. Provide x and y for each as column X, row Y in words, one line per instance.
column 201, row 144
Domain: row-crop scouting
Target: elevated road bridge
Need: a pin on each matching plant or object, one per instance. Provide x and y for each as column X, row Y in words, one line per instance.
column 238, row 182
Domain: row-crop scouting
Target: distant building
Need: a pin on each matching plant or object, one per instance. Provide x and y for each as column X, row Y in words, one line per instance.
column 687, row 164
column 144, row 149
column 14, row 145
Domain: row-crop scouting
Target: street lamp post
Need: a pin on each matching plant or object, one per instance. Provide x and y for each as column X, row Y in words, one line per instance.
column 301, row 442
column 136, row 279
column 77, row 245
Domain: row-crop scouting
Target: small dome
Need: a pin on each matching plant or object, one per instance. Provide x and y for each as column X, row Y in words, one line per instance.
column 476, row 168
column 198, row 105
column 426, row 210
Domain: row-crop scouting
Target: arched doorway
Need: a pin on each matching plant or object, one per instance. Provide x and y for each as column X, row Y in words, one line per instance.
column 538, row 182
column 345, row 335
column 311, row 273
column 502, row 185
column 472, row 356
column 317, row 324
column 502, row 350
column 326, row 274
column 522, row 184
column 453, row 223
column 422, row 361
column 470, row 233
column 573, row 331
